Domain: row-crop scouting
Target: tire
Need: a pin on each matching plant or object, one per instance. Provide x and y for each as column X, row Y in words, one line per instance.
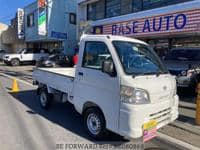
column 15, row 62
column 95, row 124
column 45, row 98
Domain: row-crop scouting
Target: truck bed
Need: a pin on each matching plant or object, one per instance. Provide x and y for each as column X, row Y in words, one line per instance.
column 57, row 78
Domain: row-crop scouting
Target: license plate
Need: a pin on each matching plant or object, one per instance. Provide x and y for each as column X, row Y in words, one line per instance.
column 149, row 130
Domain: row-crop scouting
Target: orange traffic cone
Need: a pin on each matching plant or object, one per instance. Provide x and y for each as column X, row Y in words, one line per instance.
column 15, row 87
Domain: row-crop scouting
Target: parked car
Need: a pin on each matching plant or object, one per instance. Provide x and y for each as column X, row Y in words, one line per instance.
column 27, row 55
column 184, row 63
column 56, row 50
column 55, row 60
column 119, row 84
column 2, row 52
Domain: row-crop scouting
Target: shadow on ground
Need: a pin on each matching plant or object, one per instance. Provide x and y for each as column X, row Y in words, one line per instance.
column 66, row 116
column 63, row 115
column 186, row 119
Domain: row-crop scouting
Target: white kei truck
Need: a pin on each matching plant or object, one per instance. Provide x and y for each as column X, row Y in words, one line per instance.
column 119, row 84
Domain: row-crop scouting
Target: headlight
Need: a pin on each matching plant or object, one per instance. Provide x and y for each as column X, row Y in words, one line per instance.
column 134, row 95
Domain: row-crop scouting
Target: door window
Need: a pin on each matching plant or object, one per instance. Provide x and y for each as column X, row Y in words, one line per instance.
column 28, row 51
column 94, row 55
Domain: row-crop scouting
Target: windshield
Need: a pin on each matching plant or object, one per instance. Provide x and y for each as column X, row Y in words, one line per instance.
column 138, row 59
column 184, row 55
column 20, row 51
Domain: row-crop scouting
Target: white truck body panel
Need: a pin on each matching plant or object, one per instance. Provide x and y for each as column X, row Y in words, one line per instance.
column 60, row 79
column 92, row 85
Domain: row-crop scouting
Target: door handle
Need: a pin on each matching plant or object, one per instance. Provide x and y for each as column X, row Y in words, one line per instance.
column 80, row 73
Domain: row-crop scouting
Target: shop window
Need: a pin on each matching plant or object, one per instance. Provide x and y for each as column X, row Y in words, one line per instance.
column 100, row 14
column 96, row 11
column 72, row 18
column 126, row 7
column 150, row 4
column 91, row 11
column 137, row 5
column 113, row 8
column 30, row 20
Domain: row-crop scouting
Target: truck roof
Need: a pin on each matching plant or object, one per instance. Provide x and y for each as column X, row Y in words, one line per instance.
column 111, row 37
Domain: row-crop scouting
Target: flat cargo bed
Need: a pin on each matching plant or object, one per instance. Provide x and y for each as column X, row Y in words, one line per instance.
column 69, row 72
column 57, row 78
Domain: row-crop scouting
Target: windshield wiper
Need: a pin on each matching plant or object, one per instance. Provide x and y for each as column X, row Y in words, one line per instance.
column 161, row 72
column 151, row 73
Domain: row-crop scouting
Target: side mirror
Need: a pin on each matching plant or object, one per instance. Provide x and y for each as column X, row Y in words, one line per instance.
column 109, row 68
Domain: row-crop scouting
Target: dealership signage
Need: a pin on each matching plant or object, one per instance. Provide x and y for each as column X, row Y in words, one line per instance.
column 174, row 23
column 42, row 17
column 20, row 23
column 151, row 25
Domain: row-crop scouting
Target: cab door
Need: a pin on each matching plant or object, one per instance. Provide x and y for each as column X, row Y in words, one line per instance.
column 92, row 85
column 27, row 55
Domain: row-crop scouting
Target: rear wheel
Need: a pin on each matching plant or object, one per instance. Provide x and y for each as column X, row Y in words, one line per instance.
column 45, row 98
column 94, row 123
column 15, row 62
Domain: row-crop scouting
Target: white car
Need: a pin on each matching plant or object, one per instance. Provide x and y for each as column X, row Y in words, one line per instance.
column 119, row 84
column 24, row 56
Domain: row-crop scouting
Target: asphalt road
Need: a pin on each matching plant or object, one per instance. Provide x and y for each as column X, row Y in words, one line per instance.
column 25, row 126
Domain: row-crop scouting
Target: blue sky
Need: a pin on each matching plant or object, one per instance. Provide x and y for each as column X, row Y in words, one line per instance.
column 8, row 8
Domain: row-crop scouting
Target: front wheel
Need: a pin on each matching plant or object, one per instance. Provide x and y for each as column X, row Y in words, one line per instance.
column 15, row 62
column 94, row 123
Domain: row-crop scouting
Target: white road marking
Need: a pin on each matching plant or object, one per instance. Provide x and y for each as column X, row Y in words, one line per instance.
column 177, row 142
column 12, row 77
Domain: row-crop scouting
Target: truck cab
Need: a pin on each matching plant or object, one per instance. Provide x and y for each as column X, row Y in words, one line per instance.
column 119, row 84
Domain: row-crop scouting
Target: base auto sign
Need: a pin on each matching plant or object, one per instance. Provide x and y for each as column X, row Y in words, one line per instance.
column 173, row 23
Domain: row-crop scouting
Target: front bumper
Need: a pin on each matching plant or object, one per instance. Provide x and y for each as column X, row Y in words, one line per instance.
column 6, row 61
column 132, row 117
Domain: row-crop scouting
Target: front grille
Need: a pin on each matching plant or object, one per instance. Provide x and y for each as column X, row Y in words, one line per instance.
column 161, row 116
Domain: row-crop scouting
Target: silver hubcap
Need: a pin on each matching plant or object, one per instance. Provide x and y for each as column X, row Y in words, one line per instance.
column 94, row 124
column 15, row 62
column 43, row 99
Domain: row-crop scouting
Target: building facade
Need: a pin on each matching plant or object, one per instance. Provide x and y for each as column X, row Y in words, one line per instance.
column 60, row 25
column 3, row 28
column 164, row 24
column 9, row 40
